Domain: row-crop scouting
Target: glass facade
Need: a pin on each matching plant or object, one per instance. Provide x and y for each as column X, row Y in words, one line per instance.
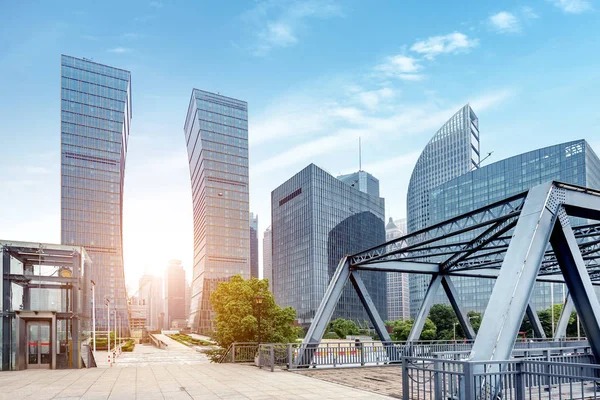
column 572, row 162
column 216, row 134
column 268, row 257
column 253, row 246
column 175, row 289
column 398, row 302
column 316, row 220
column 363, row 181
column 95, row 120
column 453, row 151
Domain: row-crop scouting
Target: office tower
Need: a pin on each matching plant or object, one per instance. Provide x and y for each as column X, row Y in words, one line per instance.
column 268, row 257
column 316, row 220
column 573, row 162
column 216, row 134
column 362, row 181
column 253, row 245
column 453, row 151
column 95, row 120
column 151, row 293
column 398, row 301
column 188, row 298
column 176, row 315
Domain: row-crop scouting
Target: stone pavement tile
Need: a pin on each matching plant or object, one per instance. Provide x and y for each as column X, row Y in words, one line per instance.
column 176, row 396
column 150, row 396
column 94, row 397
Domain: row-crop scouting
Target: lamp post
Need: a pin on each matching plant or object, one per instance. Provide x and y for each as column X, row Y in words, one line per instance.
column 94, row 313
column 454, row 329
column 108, row 326
column 258, row 300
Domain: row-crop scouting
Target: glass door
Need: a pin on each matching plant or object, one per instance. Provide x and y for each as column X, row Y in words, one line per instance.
column 38, row 345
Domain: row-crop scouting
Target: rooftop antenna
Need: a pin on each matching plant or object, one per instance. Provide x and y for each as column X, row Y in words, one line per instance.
column 483, row 159
column 359, row 155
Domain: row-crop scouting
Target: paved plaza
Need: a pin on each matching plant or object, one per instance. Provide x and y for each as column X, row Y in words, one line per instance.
column 179, row 372
column 201, row 381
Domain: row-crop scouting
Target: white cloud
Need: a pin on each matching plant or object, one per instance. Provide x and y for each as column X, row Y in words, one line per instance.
column 573, row 6
column 529, row 13
column 401, row 67
column 447, row 44
column 120, row 50
column 391, row 166
column 278, row 34
column 490, row 99
column 277, row 24
column 504, row 22
column 372, row 99
column 156, row 4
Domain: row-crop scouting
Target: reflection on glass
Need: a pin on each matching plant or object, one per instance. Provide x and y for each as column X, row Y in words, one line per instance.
column 32, row 343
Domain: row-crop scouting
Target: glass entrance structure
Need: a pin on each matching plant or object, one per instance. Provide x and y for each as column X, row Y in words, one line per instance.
column 45, row 305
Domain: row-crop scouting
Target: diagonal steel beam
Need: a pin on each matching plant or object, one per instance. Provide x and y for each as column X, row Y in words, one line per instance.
column 463, row 318
column 576, row 276
column 538, row 329
column 516, row 280
column 432, row 289
column 367, row 302
column 563, row 321
column 324, row 313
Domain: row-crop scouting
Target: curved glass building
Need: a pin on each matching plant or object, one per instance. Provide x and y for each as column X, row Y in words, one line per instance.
column 572, row 162
column 453, row 151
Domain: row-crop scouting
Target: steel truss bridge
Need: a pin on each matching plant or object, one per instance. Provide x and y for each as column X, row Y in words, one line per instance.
column 522, row 239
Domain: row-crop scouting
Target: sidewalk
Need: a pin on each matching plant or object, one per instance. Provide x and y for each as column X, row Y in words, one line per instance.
column 208, row 381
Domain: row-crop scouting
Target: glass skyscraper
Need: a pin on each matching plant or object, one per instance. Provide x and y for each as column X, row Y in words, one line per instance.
column 572, row 162
column 253, row 245
column 216, row 134
column 95, row 120
column 362, row 181
column 316, row 220
column 453, row 151
column 398, row 302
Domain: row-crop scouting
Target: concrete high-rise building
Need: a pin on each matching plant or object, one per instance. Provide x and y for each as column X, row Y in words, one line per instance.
column 175, row 287
column 453, row 151
column 316, row 220
column 268, row 256
column 95, row 120
column 216, row 134
column 398, row 300
column 253, row 245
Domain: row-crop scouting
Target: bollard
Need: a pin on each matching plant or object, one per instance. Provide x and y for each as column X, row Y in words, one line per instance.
column 109, row 360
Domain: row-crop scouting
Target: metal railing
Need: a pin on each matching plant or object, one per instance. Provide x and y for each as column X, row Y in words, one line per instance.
column 560, row 376
column 373, row 353
column 240, row 352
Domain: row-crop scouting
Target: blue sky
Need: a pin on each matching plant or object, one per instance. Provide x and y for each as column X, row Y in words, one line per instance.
column 316, row 74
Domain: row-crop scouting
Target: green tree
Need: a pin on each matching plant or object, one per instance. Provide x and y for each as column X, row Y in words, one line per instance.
column 475, row 318
column 343, row 327
column 401, row 329
column 444, row 318
column 237, row 314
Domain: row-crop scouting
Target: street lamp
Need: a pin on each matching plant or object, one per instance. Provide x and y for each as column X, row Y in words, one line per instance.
column 94, row 313
column 454, row 329
column 108, row 326
column 258, row 300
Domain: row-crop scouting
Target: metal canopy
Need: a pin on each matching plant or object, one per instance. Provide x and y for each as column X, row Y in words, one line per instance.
column 519, row 240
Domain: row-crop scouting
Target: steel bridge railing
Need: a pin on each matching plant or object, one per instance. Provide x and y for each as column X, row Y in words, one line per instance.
column 376, row 353
column 562, row 376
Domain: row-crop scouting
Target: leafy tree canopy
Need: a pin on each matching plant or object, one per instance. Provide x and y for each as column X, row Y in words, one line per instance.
column 343, row 327
column 237, row 314
column 401, row 329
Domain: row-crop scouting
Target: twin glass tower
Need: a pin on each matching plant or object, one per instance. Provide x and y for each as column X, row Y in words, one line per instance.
column 216, row 134
column 95, row 120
